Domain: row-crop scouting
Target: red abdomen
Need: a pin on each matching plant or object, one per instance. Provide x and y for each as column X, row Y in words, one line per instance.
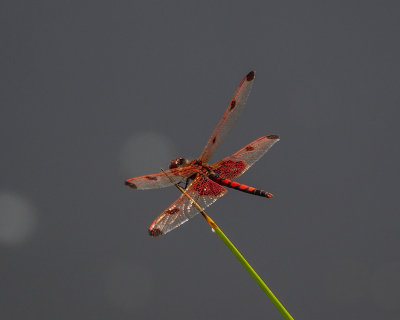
column 239, row 186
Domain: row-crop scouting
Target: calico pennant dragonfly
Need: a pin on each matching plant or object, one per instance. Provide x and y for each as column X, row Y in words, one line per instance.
column 206, row 183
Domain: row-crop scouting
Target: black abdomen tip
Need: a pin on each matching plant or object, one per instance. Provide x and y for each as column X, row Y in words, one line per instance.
column 268, row 195
column 273, row 136
column 250, row 76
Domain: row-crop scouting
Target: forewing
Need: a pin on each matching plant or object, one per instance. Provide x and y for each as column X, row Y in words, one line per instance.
column 233, row 111
column 161, row 180
column 235, row 165
column 203, row 190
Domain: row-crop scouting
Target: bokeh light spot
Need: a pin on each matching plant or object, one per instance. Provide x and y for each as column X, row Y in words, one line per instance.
column 17, row 219
column 146, row 152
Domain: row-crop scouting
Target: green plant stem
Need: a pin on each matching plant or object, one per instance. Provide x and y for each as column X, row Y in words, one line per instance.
column 249, row 269
column 241, row 259
column 238, row 255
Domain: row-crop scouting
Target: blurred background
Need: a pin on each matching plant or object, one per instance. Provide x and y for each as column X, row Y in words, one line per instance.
column 94, row 92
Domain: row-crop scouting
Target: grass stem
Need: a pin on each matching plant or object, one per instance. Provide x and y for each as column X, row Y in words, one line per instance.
column 239, row 256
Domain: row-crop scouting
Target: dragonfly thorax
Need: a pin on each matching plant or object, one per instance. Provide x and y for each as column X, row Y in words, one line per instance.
column 182, row 162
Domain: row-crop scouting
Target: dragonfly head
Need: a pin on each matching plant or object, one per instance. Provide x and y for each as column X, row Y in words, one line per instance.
column 178, row 162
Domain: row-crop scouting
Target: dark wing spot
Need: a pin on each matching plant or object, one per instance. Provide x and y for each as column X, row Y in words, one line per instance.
column 233, row 104
column 130, row 184
column 213, row 140
column 250, row 76
column 249, row 148
column 151, row 178
column 173, row 211
column 155, row 232
column 273, row 136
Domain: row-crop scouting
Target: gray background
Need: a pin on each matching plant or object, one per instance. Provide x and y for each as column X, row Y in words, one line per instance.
column 96, row 92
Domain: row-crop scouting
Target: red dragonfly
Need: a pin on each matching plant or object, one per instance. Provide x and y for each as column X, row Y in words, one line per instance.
column 206, row 183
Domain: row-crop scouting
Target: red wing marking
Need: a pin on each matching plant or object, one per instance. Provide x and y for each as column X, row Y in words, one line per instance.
column 235, row 165
column 161, row 180
column 203, row 190
column 231, row 114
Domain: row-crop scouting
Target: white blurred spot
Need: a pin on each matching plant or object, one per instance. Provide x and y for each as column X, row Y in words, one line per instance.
column 146, row 152
column 17, row 219
column 128, row 285
column 346, row 281
column 385, row 286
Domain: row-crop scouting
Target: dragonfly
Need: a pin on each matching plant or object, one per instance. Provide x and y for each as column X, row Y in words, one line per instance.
column 206, row 183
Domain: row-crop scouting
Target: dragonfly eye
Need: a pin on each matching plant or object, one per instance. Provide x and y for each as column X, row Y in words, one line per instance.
column 177, row 163
column 173, row 165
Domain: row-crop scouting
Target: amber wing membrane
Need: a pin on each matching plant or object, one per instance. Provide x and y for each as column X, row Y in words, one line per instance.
column 235, row 165
column 161, row 180
column 233, row 111
column 203, row 190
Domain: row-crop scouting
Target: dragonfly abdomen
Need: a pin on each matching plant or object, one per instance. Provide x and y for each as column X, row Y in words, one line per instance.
column 240, row 186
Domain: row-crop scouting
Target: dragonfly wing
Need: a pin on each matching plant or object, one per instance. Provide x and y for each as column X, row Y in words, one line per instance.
column 231, row 114
column 203, row 190
column 161, row 180
column 235, row 165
